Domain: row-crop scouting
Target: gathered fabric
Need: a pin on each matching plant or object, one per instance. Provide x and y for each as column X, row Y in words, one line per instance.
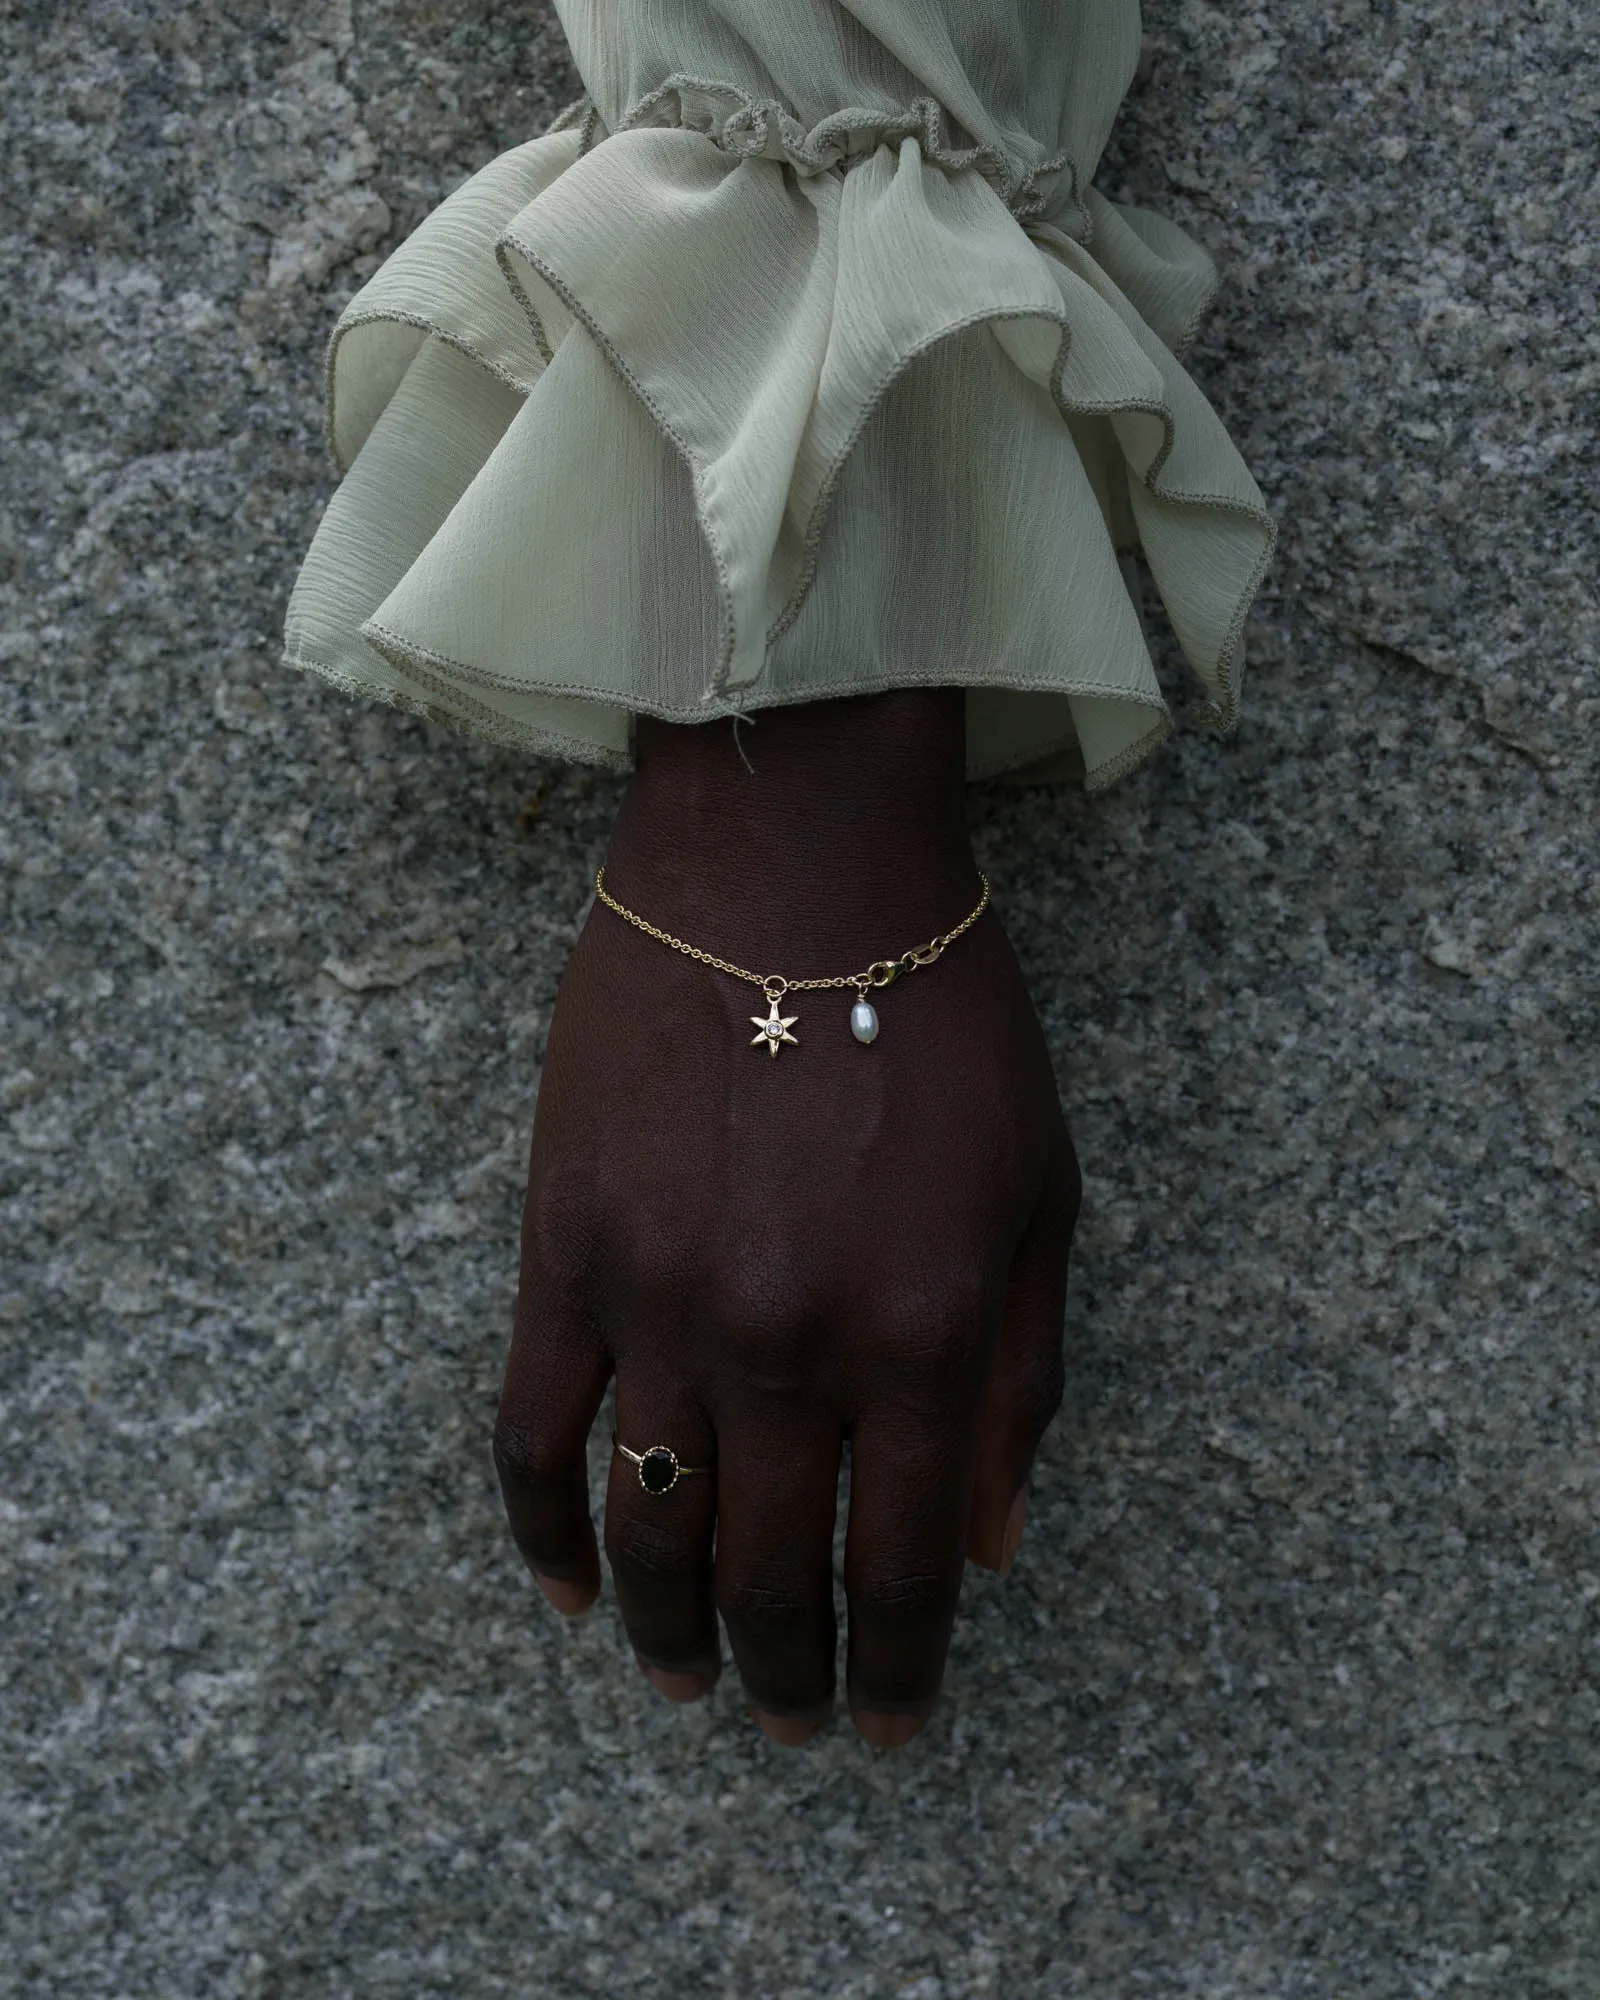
column 765, row 130
column 799, row 358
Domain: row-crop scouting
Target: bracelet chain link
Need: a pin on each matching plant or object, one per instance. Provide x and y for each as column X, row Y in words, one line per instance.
column 881, row 972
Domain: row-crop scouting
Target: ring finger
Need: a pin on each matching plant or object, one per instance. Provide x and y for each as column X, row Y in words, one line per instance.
column 660, row 1521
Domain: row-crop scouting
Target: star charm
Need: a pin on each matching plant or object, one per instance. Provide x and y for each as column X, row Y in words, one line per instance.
column 775, row 1031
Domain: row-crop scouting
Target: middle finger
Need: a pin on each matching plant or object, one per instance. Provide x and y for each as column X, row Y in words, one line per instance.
column 776, row 1502
column 659, row 1542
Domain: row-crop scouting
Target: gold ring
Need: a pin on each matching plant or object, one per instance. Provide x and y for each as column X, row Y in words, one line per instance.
column 659, row 1470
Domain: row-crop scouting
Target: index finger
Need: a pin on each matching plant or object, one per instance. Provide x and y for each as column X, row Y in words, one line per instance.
column 905, row 1553
column 912, row 1464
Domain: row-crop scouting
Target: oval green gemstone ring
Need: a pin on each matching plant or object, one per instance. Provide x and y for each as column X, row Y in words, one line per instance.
column 659, row 1470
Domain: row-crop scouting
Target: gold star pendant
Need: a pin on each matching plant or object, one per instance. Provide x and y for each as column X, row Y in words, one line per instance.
column 775, row 1031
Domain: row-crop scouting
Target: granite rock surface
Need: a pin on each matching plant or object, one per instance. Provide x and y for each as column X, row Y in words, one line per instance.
column 1293, row 1691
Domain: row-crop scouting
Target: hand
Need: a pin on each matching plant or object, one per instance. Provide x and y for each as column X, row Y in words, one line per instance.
column 773, row 1256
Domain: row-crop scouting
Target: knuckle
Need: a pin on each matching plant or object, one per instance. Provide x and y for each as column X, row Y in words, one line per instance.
column 766, row 1596
column 651, row 1549
column 770, row 1363
column 901, row 1590
column 930, row 1327
column 944, row 1306
column 761, row 1287
column 761, row 1306
column 525, row 1454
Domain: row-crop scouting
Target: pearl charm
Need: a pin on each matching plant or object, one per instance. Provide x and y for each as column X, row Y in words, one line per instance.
column 864, row 1022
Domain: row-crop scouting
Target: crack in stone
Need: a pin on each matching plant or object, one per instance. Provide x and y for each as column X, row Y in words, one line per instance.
column 1541, row 758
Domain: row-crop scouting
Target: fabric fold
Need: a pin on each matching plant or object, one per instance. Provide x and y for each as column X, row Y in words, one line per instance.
column 723, row 409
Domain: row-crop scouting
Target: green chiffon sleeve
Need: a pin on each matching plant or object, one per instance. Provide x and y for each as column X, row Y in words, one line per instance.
column 799, row 358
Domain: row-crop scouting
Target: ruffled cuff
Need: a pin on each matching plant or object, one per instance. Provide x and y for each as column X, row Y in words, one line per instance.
column 715, row 412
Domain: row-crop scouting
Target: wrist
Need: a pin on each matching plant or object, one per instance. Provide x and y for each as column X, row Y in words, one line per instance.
column 846, row 827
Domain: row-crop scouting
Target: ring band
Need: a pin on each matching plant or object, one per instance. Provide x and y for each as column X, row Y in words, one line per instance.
column 659, row 1470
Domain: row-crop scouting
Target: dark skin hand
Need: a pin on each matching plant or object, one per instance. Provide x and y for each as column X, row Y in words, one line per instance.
column 775, row 1256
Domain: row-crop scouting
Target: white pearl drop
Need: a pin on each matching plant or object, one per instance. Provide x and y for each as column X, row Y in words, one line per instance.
column 864, row 1022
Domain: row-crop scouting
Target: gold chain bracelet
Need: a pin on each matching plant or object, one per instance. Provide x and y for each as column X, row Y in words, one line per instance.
column 774, row 1031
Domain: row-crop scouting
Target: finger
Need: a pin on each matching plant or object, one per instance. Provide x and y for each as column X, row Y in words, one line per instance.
column 659, row 1542
column 912, row 1457
column 1027, row 1376
column 777, row 1497
column 555, row 1381
column 909, row 1494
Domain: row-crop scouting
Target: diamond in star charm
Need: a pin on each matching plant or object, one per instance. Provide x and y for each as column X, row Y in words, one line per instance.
column 775, row 1030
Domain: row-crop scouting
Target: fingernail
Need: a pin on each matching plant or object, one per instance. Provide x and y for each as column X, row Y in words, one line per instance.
column 568, row 1598
column 1012, row 1539
column 789, row 1730
column 678, row 1687
column 887, row 1732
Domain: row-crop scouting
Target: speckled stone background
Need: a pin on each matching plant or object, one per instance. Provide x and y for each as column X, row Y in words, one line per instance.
column 1293, row 1690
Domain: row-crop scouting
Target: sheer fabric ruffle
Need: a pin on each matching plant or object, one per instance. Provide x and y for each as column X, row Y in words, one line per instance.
column 789, row 385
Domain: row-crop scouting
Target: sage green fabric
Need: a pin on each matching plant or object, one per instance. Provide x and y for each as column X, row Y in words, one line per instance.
column 799, row 358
